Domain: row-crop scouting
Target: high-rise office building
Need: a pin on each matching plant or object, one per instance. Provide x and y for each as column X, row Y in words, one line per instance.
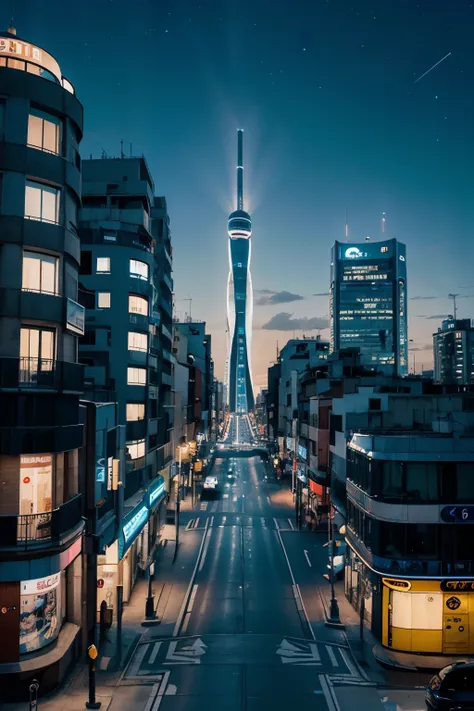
column 41, row 432
column 368, row 303
column 240, row 299
column 453, row 350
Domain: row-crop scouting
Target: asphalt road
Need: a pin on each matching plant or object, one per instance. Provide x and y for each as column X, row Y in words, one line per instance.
column 250, row 635
column 242, row 640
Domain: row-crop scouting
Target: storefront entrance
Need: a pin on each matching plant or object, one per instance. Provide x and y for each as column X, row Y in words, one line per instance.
column 456, row 624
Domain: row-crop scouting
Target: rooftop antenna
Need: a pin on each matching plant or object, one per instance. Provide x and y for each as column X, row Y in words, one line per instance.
column 121, row 149
column 384, row 220
column 190, row 309
column 240, row 169
column 454, row 297
column 347, row 228
column 12, row 29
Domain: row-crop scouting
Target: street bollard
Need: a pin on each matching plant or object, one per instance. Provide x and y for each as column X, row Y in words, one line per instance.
column 92, row 653
column 34, row 686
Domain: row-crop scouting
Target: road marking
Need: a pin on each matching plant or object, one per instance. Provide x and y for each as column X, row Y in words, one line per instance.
column 187, row 595
column 263, row 521
column 291, row 524
column 212, row 522
column 307, row 558
column 277, row 526
column 154, row 652
column 328, row 693
column 302, row 654
column 349, row 663
column 268, row 499
column 189, row 524
column 293, row 580
column 331, row 656
column 138, row 659
column 196, row 523
column 157, row 693
column 153, row 695
column 226, row 496
column 185, row 655
column 204, row 505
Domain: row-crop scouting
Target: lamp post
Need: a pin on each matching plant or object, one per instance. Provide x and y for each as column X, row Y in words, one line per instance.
column 334, row 607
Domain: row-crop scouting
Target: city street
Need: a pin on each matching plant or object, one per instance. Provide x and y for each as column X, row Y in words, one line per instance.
column 248, row 631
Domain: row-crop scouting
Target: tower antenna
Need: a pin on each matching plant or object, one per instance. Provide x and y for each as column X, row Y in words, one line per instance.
column 384, row 220
column 347, row 228
column 240, row 169
column 454, row 297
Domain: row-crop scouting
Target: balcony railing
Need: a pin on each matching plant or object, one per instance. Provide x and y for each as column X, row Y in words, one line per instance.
column 41, row 373
column 35, row 530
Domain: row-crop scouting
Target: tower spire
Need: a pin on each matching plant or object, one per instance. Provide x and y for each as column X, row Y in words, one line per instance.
column 240, row 169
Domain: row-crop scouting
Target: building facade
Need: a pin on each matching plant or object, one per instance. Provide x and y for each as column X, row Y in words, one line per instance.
column 41, row 433
column 240, row 301
column 368, row 303
column 126, row 286
column 453, row 351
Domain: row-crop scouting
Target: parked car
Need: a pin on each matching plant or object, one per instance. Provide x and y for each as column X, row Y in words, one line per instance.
column 452, row 689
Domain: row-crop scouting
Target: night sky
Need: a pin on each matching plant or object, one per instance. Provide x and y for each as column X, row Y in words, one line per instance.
column 333, row 120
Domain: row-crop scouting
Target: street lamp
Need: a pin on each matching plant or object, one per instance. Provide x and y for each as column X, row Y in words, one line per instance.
column 178, row 502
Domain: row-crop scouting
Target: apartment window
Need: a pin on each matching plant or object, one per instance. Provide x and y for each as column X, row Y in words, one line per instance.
column 103, row 300
column 40, row 272
column 136, row 449
column 137, row 341
column 136, row 376
column 41, row 202
column 103, row 265
column 137, row 305
column 138, row 269
column 44, row 131
column 135, row 411
column 36, row 353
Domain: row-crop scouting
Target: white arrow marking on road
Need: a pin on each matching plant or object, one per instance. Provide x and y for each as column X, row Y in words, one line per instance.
column 305, row 653
column 186, row 655
column 307, row 558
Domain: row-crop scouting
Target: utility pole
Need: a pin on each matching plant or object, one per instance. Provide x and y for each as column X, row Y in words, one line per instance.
column 454, row 297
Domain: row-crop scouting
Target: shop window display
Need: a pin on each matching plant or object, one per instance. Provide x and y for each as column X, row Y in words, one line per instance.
column 40, row 612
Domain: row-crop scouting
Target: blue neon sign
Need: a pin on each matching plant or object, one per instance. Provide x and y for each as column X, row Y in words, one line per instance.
column 100, row 470
column 135, row 523
column 156, row 493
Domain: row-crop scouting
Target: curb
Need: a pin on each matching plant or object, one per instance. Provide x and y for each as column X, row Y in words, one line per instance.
column 328, row 621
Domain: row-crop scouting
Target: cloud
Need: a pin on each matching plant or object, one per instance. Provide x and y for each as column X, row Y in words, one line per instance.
column 285, row 322
column 440, row 317
column 423, row 298
column 322, row 293
column 268, row 298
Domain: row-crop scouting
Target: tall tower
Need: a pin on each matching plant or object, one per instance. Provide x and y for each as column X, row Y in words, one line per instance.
column 239, row 299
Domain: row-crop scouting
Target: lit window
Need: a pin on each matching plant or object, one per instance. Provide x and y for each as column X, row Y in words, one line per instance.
column 43, row 131
column 37, row 351
column 40, row 273
column 135, row 411
column 137, row 305
column 103, row 300
column 136, row 449
column 137, row 341
column 103, row 265
column 136, row 376
column 41, row 202
column 138, row 269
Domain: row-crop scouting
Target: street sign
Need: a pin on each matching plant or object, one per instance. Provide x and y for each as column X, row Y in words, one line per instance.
column 457, row 514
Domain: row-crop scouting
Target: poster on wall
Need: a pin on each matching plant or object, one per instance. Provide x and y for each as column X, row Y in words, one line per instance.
column 40, row 612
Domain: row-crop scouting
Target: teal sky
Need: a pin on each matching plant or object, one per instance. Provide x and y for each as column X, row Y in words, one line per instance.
column 333, row 121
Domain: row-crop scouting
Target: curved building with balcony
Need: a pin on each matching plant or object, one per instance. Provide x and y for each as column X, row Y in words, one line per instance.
column 40, row 378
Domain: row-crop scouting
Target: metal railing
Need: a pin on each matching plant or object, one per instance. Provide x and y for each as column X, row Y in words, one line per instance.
column 41, row 373
column 32, row 530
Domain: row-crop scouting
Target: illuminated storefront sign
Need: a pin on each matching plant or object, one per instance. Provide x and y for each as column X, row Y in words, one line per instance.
column 135, row 524
column 395, row 584
column 301, row 451
column 40, row 612
column 155, row 492
column 353, row 253
column 100, row 470
column 28, row 52
column 457, row 585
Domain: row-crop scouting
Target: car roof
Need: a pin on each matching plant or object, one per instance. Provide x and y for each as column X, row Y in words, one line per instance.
column 461, row 664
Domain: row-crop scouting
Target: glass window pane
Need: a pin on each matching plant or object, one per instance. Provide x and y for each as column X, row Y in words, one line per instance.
column 136, row 376
column 137, row 341
column 49, row 274
column 103, row 264
column 31, row 272
column 137, row 305
column 103, row 300
column 51, row 137
column 138, row 269
column 47, row 345
column 35, row 131
column 135, row 411
column 33, row 201
column 24, row 342
column 50, row 204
